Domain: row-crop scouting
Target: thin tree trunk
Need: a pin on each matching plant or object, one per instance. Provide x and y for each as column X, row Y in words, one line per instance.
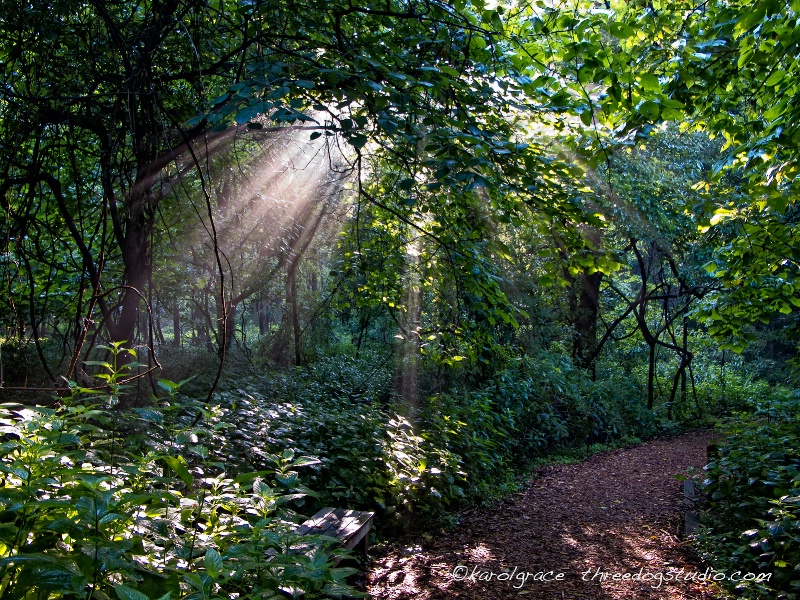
column 685, row 343
column 263, row 317
column 176, row 324
column 291, row 300
column 230, row 326
column 159, row 331
column 651, row 371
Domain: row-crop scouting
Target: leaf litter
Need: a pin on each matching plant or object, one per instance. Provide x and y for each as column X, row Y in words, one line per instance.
column 565, row 537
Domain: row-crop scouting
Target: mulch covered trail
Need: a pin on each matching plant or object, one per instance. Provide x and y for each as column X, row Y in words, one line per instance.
column 565, row 537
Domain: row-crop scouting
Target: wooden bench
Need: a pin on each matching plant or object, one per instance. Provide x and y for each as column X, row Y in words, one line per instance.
column 348, row 526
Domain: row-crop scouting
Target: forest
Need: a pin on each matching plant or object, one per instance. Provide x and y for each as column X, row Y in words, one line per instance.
column 261, row 257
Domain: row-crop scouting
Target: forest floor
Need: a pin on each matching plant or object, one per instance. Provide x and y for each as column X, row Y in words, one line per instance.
column 577, row 526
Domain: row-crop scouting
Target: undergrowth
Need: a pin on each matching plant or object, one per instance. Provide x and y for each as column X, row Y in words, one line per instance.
column 752, row 524
column 98, row 502
column 469, row 446
column 181, row 499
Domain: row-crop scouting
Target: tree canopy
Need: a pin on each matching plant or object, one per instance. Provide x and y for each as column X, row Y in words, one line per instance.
column 459, row 123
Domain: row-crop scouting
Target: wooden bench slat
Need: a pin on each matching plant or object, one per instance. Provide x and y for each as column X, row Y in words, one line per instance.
column 338, row 522
column 349, row 526
column 354, row 528
column 322, row 522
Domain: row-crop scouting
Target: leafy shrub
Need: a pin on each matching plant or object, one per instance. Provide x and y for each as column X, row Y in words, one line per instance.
column 369, row 457
column 97, row 502
column 627, row 413
column 469, row 445
column 367, row 379
column 536, row 406
column 470, row 428
column 734, row 391
column 552, row 403
column 753, row 490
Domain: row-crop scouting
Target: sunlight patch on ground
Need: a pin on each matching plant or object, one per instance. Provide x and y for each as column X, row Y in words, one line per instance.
column 480, row 554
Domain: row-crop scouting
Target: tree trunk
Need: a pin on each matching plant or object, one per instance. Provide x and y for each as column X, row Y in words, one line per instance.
column 124, row 330
column 263, row 317
column 651, row 372
column 204, row 328
column 176, row 324
column 230, row 326
column 584, row 321
column 291, row 301
column 132, row 229
column 159, row 332
column 685, row 344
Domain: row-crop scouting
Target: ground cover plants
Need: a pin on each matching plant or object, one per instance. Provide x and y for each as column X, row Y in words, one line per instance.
column 752, row 490
column 141, row 503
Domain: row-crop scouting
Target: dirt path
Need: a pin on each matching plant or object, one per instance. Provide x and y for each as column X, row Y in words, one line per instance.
column 577, row 526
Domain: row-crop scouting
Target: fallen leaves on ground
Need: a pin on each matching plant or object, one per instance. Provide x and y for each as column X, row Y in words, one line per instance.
column 605, row 529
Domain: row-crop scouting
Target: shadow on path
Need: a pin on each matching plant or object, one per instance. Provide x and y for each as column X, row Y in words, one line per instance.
column 566, row 537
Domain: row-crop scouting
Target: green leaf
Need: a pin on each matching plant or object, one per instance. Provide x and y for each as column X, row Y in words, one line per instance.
column 246, row 477
column 178, row 465
column 406, row 184
column 213, row 562
column 649, row 109
column 148, row 414
column 199, row 450
column 750, row 18
column 358, row 141
column 41, row 560
column 775, row 78
column 126, row 593
column 650, row 82
column 774, row 112
column 621, row 30
column 305, row 461
column 388, row 125
column 98, row 363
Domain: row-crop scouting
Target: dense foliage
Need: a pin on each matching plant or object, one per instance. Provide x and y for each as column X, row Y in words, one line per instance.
column 752, row 487
column 467, row 446
column 410, row 246
column 142, row 503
